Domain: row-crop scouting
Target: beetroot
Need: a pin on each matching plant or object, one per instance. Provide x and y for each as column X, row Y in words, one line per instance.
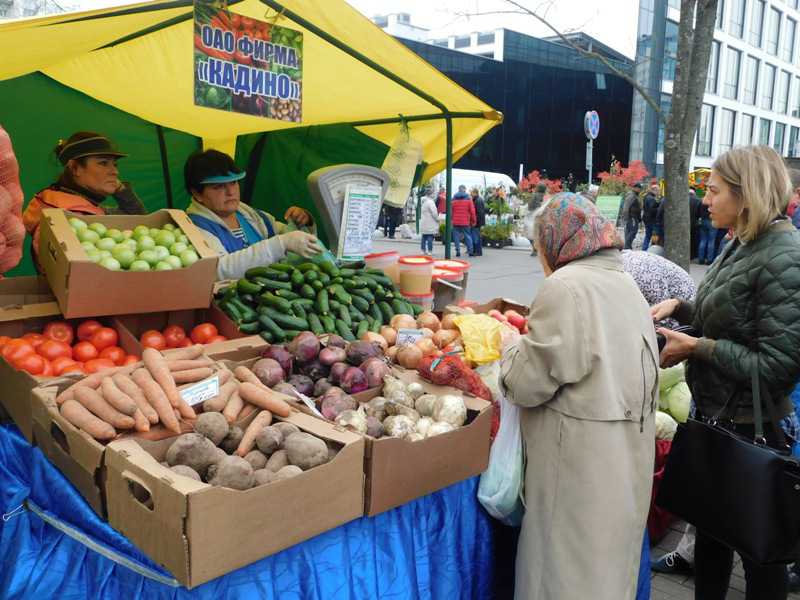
column 285, row 388
column 302, row 384
column 305, row 347
column 332, row 392
column 337, row 371
column 333, row 406
column 314, row 369
column 330, row 355
column 282, row 355
column 268, row 371
column 375, row 369
column 322, row 386
column 334, row 341
column 358, row 352
column 353, row 381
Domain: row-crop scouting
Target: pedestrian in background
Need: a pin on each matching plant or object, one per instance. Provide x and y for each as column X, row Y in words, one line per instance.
column 632, row 214
column 464, row 219
column 441, row 200
column 694, row 231
column 536, row 201
column 428, row 221
column 480, row 221
column 650, row 215
column 706, row 235
column 393, row 217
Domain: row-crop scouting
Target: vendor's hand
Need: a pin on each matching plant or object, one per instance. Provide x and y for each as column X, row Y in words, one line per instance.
column 299, row 215
column 509, row 336
column 678, row 348
column 664, row 310
column 302, row 243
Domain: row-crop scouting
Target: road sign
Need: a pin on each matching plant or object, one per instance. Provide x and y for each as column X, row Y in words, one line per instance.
column 591, row 124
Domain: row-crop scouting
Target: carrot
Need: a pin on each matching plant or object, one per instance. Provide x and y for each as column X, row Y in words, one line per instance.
column 156, row 364
column 223, row 374
column 263, row 419
column 190, row 353
column 246, row 411
column 218, row 402
column 185, row 365
column 244, row 374
column 185, row 411
column 93, row 381
column 191, row 375
column 159, row 432
column 74, row 412
column 233, row 407
column 140, row 421
column 97, row 405
column 117, row 398
column 264, row 398
column 126, row 384
column 157, row 398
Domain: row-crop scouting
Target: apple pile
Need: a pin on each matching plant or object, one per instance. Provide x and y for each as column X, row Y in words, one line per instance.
column 141, row 249
column 511, row 317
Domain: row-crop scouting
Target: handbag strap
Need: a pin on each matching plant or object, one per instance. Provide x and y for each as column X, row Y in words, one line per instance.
column 758, row 420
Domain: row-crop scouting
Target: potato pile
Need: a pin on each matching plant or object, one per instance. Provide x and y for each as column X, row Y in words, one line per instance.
column 405, row 411
column 221, row 454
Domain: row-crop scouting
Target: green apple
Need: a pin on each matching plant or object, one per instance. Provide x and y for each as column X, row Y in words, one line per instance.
column 154, row 231
column 105, row 253
column 149, row 256
column 99, row 228
column 111, row 263
column 88, row 246
column 77, row 224
column 127, row 234
column 141, row 230
column 106, row 244
column 115, row 234
column 139, row 265
column 169, row 227
column 165, row 238
column 183, row 239
column 178, row 247
column 131, row 243
column 145, row 243
column 188, row 257
column 124, row 255
column 94, row 255
column 174, row 261
column 162, row 252
column 163, row 265
column 88, row 235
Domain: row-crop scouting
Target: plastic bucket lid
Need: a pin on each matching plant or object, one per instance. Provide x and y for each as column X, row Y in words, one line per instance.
column 447, row 275
column 382, row 255
column 416, row 261
column 453, row 265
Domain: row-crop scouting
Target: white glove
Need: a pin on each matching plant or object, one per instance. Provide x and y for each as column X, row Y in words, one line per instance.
column 300, row 242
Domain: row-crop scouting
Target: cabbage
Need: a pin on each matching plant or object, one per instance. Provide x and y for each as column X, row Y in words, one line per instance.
column 679, row 399
column 667, row 378
column 665, row 426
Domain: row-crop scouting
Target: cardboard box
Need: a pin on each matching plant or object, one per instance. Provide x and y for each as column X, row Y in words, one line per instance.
column 199, row 532
column 501, row 304
column 76, row 454
column 84, row 288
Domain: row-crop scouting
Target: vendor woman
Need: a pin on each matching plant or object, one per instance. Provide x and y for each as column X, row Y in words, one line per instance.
column 90, row 176
column 243, row 236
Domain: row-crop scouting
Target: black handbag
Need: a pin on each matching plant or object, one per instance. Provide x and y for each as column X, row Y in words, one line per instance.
column 737, row 490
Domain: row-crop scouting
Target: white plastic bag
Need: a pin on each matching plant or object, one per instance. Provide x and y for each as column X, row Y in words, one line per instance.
column 500, row 488
column 400, row 164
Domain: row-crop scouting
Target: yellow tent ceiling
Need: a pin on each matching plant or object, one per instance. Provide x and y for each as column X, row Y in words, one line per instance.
column 139, row 59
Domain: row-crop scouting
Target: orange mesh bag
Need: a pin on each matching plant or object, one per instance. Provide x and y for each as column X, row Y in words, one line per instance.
column 12, row 231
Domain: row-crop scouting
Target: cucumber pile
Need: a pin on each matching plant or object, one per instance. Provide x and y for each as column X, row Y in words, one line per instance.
column 281, row 300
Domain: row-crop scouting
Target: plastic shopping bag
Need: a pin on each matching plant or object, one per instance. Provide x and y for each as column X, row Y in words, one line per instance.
column 500, row 488
column 481, row 337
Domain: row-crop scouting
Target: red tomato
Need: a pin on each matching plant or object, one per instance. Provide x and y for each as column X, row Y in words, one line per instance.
column 129, row 360
column 83, row 351
column 32, row 363
column 217, row 338
column 103, row 338
column 153, row 339
column 4, row 339
column 87, row 328
column 60, row 331
column 51, row 350
column 35, row 339
column 98, row 364
column 61, row 363
column 203, row 332
column 186, row 343
column 76, row 368
column 16, row 349
column 114, row 353
column 48, row 369
column 174, row 335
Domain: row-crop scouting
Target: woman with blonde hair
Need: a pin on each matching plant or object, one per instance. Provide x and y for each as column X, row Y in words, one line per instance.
column 748, row 316
column 586, row 377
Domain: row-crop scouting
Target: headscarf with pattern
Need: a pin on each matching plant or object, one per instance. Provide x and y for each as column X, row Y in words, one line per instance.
column 571, row 227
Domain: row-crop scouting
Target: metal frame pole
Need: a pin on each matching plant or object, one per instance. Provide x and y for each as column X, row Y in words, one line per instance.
column 448, row 223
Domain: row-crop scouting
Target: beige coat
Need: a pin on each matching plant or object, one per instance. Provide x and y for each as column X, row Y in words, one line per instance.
column 587, row 377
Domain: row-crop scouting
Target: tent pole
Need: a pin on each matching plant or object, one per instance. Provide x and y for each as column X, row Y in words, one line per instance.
column 448, row 222
column 162, row 146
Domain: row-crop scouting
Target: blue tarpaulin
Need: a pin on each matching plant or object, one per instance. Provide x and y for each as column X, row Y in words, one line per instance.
column 51, row 543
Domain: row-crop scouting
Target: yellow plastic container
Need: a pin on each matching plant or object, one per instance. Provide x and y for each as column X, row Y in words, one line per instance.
column 386, row 262
column 416, row 274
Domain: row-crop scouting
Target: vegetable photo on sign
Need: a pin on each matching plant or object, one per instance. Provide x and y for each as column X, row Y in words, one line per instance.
column 246, row 65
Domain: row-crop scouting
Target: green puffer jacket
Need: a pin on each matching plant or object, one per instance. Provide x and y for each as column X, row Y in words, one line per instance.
column 748, row 311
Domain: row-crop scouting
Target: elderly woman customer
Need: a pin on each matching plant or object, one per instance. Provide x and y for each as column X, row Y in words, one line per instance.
column 748, row 315
column 586, row 377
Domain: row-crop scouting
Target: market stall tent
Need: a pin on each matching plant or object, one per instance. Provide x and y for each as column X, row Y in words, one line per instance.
column 128, row 73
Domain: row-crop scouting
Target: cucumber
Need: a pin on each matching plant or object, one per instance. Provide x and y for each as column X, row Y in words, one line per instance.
column 328, row 267
column 399, row 307
column 323, row 307
column 325, row 278
column 256, row 272
column 307, row 266
column 380, row 279
column 328, row 324
column 417, row 309
column 344, row 330
column 361, row 304
column 269, row 299
column 375, row 325
column 292, row 333
column 305, row 303
column 380, row 292
column 248, row 299
column 247, row 314
column 287, row 294
column 271, row 285
column 315, row 324
column 299, row 311
column 337, row 281
column 376, row 313
column 306, row 291
column 340, row 295
column 297, row 278
column 311, row 276
column 230, row 310
column 250, row 328
column 317, row 285
column 386, row 311
column 363, row 293
column 267, row 324
column 266, row 336
column 285, row 320
column 335, row 305
column 363, row 327
column 344, row 272
column 279, row 266
column 356, row 314
column 344, row 315
column 371, row 284
column 245, row 286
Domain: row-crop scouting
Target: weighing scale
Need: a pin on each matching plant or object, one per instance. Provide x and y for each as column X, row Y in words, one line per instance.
column 329, row 186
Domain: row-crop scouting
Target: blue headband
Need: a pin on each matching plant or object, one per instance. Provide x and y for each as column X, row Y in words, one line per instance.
column 224, row 178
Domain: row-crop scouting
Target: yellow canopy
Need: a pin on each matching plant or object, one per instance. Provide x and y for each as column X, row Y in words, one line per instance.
column 139, row 59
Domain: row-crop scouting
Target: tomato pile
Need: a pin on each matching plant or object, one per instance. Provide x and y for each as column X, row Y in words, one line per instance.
column 62, row 349
column 174, row 336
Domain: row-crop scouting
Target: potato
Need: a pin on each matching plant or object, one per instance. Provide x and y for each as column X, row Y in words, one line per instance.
column 257, row 459
column 287, row 472
column 213, row 425
column 269, row 439
column 286, row 429
column 305, row 451
column 186, row 471
column 277, row 461
column 220, row 454
column 262, row 476
column 193, row 450
column 233, row 472
column 231, row 441
column 210, row 472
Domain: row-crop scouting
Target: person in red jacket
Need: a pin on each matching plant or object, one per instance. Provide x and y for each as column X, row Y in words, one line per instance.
column 464, row 219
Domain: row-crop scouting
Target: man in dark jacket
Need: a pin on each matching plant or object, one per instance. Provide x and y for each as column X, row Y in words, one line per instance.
column 652, row 203
column 694, row 231
column 480, row 221
column 631, row 214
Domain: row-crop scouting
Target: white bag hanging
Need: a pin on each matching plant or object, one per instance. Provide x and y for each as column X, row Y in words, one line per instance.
column 401, row 164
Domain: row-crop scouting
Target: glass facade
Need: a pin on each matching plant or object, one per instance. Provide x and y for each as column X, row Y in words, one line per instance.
column 773, row 31
column 713, row 68
column 764, row 125
column 750, row 81
column 777, row 143
column 796, row 101
column 705, row 131
column 767, row 87
column 666, row 106
column 727, row 122
column 670, row 50
column 745, row 133
column 787, row 41
column 736, row 18
column 730, row 88
column 757, row 23
column 782, row 92
column 793, row 151
column 720, row 14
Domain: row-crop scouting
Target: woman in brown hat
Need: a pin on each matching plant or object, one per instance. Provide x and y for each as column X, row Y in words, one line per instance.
column 90, row 175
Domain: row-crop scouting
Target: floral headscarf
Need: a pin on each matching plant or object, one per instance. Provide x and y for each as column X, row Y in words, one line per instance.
column 570, row 227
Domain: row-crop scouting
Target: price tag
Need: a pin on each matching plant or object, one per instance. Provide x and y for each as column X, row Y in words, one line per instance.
column 408, row 336
column 309, row 403
column 201, row 391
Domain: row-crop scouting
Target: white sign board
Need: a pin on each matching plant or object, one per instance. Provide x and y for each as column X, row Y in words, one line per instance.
column 362, row 205
column 201, row 391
